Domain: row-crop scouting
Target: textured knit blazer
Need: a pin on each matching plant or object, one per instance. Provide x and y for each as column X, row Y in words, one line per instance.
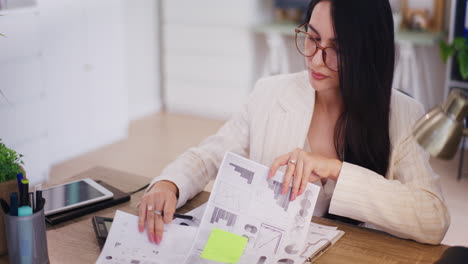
column 407, row 202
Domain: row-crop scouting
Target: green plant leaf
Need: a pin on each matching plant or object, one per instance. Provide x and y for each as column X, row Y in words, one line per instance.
column 459, row 43
column 463, row 63
column 9, row 163
column 446, row 50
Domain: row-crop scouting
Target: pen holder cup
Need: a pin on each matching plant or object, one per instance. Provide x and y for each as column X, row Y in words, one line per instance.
column 26, row 238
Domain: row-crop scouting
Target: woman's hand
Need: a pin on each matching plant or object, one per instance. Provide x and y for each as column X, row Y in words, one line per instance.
column 304, row 167
column 162, row 197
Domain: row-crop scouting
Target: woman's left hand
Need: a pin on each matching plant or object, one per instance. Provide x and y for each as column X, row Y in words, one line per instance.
column 304, row 167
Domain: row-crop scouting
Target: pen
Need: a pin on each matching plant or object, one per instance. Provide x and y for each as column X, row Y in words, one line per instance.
column 24, row 208
column 319, row 252
column 43, row 201
column 14, row 204
column 186, row 217
column 39, row 201
column 19, row 177
column 181, row 216
column 5, row 207
column 31, row 200
column 24, row 192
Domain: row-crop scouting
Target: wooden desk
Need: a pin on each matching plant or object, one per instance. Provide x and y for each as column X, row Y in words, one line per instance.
column 75, row 241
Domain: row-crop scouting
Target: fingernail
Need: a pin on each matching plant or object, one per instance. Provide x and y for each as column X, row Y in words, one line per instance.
column 150, row 237
column 158, row 240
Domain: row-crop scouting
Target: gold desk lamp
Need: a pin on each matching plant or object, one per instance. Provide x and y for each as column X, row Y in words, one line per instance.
column 440, row 130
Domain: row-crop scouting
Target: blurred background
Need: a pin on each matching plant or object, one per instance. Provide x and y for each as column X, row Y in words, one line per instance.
column 131, row 84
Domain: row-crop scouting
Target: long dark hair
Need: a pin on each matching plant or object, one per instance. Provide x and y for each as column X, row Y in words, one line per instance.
column 366, row 47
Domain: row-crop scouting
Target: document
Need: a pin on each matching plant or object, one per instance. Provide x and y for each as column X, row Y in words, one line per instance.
column 246, row 220
column 125, row 244
column 319, row 239
column 246, row 203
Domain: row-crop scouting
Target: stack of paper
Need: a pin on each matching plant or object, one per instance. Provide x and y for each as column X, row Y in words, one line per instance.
column 319, row 239
column 125, row 244
column 246, row 220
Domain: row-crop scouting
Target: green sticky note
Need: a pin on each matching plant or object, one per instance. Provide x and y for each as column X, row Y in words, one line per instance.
column 224, row 247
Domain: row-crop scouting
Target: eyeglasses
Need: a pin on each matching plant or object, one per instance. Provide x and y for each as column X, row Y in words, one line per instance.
column 308, row 47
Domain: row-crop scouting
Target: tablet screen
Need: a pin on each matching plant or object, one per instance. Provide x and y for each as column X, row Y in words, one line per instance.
column 108, row 225
column 69, row 194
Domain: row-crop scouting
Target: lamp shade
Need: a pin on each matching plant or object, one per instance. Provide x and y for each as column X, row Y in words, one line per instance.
column 440, row 131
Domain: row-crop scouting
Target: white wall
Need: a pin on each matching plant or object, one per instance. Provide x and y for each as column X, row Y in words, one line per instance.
column 432, row 72
column 62, row 69
column 23, row 116
column 83, row 52
column 142, row 57
column 209, row 54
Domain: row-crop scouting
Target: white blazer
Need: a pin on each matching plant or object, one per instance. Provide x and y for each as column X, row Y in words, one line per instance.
column 275, row 120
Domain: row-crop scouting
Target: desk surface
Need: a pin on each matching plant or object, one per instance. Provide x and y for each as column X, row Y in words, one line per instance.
column 75, row 242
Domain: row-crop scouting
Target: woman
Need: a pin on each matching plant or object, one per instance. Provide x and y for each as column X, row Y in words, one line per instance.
column 338, row 124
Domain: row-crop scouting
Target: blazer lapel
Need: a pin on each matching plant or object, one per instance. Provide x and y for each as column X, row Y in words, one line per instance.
column 289, row 122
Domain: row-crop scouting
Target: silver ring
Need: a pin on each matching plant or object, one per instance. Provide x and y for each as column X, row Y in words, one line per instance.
column 157, row 212
column 292, row 161
column 149, row 208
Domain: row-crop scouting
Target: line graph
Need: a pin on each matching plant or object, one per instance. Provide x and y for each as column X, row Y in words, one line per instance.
column 313, row 244
column 269, row 238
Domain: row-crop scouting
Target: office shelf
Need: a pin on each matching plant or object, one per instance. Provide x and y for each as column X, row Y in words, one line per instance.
column 458, row 84
column 416, row 38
